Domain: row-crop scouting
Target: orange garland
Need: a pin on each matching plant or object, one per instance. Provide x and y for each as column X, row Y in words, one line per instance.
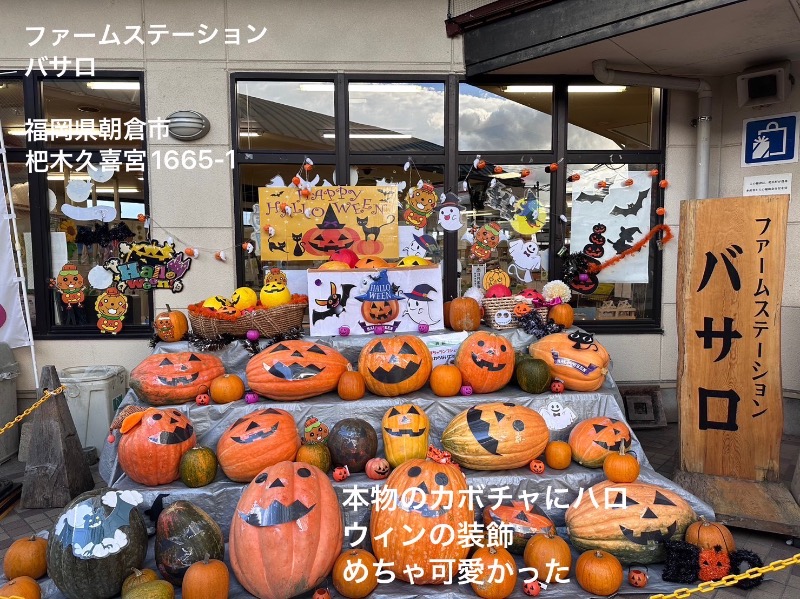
column 200, row 310
column 595, row 268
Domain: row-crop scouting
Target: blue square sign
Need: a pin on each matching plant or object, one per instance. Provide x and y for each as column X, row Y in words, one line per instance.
column 770, row 140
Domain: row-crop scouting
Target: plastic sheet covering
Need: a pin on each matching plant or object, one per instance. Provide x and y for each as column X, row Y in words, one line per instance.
column 219, row 499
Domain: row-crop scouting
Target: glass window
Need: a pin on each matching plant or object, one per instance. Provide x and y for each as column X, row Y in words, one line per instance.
column 20, row 197
column 12, row 113
column 611, row 117
column 91, row 114
column 285, row 116
column 515, row 201
column 498, row 118
column 396, row 117
column 610, row 207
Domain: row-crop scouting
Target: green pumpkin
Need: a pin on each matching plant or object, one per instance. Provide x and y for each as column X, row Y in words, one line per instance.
column 185, row 534
column 198, row 467
column 533, row 375
column 156, row 589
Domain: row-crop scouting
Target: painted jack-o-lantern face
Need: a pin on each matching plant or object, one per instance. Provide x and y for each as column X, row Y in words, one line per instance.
column 596, row 238
column 321, row 242
column 153, row 443
column 594, row 438
column 594, row 250
column 714, row 564
column 496, row 276
column 637, row 577
column 587, row 286
column 522, row 309
column 486, row 361
column 525, row 521
column 423, row 511
column 291, row 370
column 380, row 311
column 532, row 588
column 599, row 228
column 257, row 441
column 405, row 433
column 496, row 436
column 634, row 521
column 393, row 366
column 163, row 379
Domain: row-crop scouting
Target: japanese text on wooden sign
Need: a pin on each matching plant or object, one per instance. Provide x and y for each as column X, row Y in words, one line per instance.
column 730, row 282
column 297, row 227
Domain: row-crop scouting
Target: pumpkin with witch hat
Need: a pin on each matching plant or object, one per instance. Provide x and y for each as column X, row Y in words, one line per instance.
column 329, row 236
column 380, row 304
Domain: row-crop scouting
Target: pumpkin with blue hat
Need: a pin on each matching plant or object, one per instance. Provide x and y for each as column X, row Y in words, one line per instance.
column 379, row 305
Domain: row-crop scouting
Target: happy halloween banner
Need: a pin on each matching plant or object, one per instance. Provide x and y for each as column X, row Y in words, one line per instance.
column 295, row 227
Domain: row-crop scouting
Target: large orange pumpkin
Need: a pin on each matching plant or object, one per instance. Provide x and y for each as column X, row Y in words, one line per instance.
column 26, row 557
column 257, row 441
column 593, row 439
column 355, row 574
column 418, row 517
column 499, row 573
column 163, row 379
column 292, row 370
column 496, row 436
column 394, row 366
column 574, row 358
column 633, row 521
column 21, row 587
column 464, row 314
column 524, row 521
column 171, row 325
column 708, row 535
column 286, row 531
column 486, row 361
column 562, row 314
column 405, row 431
column 152, row 445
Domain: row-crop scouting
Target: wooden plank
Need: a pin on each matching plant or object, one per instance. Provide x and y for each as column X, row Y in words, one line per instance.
column 56, row 470
column 730, row 266
column 764, row 506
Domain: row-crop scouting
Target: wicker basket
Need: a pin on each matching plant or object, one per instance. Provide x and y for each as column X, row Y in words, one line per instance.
column 267, row 322
column 492, row 306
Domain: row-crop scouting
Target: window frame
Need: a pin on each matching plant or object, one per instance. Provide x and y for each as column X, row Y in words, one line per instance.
column 559, row 153
column 45, row 327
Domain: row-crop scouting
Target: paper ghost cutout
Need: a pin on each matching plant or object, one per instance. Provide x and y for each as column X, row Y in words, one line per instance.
column 526, row 258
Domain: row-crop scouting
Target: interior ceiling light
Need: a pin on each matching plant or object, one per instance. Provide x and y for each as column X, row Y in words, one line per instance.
column 88, row 109
column 393, row 88
column 370, row 136
column 574, row 89
column 113, row 85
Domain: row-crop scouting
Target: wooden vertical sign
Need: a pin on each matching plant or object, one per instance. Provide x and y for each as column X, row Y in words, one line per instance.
column 730, row 283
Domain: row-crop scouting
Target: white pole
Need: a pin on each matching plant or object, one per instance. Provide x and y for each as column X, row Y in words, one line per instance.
column 20, row 269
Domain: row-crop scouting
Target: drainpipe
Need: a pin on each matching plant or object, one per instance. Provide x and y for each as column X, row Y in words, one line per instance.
column 703, row 90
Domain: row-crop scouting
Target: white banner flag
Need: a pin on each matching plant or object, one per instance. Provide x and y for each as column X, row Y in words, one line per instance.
column 12, row 320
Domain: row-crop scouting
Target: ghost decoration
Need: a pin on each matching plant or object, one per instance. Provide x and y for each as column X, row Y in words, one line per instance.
column 98, row 174
column 525, row 259
column 557, row 416
column 420, row 245
column 255, row 236
column 78, row 190
column 418, row 307
column 502, row 318
column 450, row 213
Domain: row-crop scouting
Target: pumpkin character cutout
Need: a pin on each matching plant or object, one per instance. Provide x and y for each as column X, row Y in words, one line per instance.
column 152, row 445
column 594, row 439
column 405, row 430
column 574, row 358
column 484, row 240
column 97, row 541
column 330, row 236
column 416, row 518
column 111, row 307
column 633, row 524
column 380, row 304
column 314, row 431
column 171, row 325
column 496, row 436
column 70, row 284
column 290, row 504
column 164, row 379
column 420, row 203
column 486, row 361
column 395, row 366
column 293, row 370
column 257, row 441
column 275, row 291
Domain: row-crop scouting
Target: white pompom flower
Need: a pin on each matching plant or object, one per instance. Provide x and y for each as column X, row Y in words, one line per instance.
column 556, row 289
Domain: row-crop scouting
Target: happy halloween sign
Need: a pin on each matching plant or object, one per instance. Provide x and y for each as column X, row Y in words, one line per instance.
column 296, row 227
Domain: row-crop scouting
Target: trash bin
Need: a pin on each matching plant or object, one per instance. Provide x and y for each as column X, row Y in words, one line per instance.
column 9, row 370
column 93, row 395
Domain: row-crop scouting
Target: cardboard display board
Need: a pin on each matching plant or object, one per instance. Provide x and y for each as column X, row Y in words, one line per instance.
column 299, row 228
column 730, row 283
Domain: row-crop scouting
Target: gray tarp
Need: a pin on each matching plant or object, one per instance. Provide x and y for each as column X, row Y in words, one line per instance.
column 219, row 499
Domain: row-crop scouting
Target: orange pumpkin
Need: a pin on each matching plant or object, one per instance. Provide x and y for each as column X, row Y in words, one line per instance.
column 707, row 535
column 22, row 587
column 171, row 325
column 558, row 455
column 420, row 516
column 562, row 314
column 394, row 366
column 226, row 388
column 257, row 441
column 574, row 358
column 163, row 379
column 544, row 548
column 405, row 429
column 464, row 314
column 290, row 505
column 293, row 370
column 599, row 573
column 446, row 314
column 380, row 311
column 371, row 262
column 152, row 445
column 445, row 380
column 499, row 573
column 351, row 386
column 486, row 361
column 206, row 579
column 26, row 557
column 355, row 584
column 525, row 521
column 496, row 276
column 621, row 467
column 593, row 439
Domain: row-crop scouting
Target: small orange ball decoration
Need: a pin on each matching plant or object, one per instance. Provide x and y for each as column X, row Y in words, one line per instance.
column 305, row 192
column 654, row 172
column 628, row 182
column 296, row 180
column 481, row 164
column 141, row 218
column 574, row 177
column 498, row 170
column 553, row 167
column 525, row 172
column 663, row 184
column 308, row 167
column 602, row 185
column 190, row 252
column 661, row 211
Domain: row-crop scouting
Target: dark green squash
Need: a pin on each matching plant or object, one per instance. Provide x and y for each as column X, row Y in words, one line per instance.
column 533, row 375
column 198, row 467
column 185, row 534
column 352, row 443
column 106, row 553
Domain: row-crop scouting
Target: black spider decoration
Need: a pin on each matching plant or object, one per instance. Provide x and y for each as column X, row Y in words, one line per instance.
column 574, row 265
column 533, row 324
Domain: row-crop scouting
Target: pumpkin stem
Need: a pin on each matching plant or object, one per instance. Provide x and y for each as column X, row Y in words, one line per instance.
column 33, row 538
column 206, row 558
column 598, row 554
column 168, row 308
column 137, row 572
column 704, row 522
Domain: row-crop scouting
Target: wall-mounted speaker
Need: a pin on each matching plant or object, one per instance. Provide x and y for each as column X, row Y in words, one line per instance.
column 764, row 85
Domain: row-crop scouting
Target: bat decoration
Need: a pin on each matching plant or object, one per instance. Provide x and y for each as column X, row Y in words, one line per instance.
column 154, row 511
column 625, row 239
column 632, row 209
column 334, row 305
column 585, row 197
